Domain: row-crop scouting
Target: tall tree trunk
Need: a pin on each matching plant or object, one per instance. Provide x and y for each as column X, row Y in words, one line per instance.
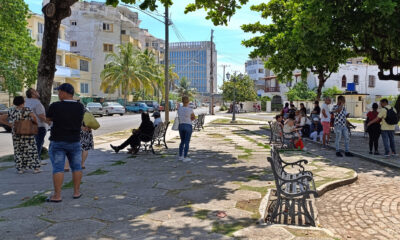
column 321, row 82
column 54, row 12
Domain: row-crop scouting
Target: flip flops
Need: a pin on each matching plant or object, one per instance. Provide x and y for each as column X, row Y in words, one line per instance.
column 76, row 197
column 52, row 200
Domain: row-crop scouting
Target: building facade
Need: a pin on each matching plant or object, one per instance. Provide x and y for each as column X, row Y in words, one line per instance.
column 95, row 29
column 193, row 61
column 71, row 67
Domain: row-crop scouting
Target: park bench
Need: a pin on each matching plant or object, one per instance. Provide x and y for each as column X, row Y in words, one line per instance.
column 160, row 137
column 293, row 190
column 275, row 134
column 147, row 142
column 199, row 122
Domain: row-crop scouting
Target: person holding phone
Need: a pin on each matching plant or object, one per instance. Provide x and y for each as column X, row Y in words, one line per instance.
column 340, row 127
column 186, row 116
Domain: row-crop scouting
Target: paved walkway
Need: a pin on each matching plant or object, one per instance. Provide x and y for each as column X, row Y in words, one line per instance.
column 216, row 196
column 366, row 209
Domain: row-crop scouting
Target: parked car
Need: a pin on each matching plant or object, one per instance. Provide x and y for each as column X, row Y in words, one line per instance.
column 139, row 107
column 95, row 108
column 192, row 105
column 172, row 105
column 151, row 103
column 4, row 110
column 111, row 108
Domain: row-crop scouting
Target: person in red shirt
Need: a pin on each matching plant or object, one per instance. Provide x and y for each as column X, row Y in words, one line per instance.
column 374, row 130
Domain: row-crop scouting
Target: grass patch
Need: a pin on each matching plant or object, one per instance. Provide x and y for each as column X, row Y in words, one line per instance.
column 2, row 219
column 228, row 228
column 254, row 177
column 356, row 120
column 201, row 214
column 262, row 190
column 117, row 163
column 69, row 185
column 98, row 172
column 34, row 201
column 251, row 205
column 5, row 167
column 228, row 121
column 215, row 135
column 266, row 146
column 132, row 156
column 7, row 158
column 46, row 219
column 244, row 157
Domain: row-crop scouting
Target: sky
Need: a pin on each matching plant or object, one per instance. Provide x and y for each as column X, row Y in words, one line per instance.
column 194, row 27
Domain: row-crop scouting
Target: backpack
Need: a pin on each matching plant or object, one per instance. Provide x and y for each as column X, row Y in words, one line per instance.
column 391, row 117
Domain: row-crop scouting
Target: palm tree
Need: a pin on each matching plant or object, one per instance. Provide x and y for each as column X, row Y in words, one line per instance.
column 126, row 70
column 184, row 88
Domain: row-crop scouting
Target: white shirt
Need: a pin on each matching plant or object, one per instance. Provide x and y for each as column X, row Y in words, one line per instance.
column 37, row 108
column 327, row 112
column 157, row 121
column 185, row 115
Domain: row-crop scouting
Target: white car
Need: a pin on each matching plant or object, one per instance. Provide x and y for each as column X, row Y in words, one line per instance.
column 95, row 108
column 111, row 108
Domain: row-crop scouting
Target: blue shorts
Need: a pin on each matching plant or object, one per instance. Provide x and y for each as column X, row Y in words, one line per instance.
column 59, row 150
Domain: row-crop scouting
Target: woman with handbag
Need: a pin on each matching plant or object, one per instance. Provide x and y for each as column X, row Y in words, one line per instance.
column 23, row 123
column 185, row 118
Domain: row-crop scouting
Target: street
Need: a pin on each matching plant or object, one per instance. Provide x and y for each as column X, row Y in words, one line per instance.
column 108, row 125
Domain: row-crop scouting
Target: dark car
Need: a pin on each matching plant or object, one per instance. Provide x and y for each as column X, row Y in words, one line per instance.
column 4, row 110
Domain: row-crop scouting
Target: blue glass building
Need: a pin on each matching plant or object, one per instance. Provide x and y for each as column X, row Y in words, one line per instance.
column 192, row 60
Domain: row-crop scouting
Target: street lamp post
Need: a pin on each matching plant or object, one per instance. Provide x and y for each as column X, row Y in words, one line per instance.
column 228, row 76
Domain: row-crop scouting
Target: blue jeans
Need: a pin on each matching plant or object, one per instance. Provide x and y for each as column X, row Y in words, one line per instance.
column 59, row 150
column 339, row 131
column 185, row 132
column 388, row 141
column 39, row 138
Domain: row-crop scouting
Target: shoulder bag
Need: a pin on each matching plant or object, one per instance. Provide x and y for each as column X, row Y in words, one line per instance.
column 25, row 126
column 90, row 121
column 175, row 127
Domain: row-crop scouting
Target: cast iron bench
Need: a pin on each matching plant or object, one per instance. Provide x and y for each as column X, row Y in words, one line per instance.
column 160, row 137
column 199, row 122
column 275, row 136
column 148, row 145
column 293, row 190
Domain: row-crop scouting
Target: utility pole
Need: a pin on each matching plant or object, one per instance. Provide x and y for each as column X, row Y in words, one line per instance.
column 212, row 74
column 166, row 52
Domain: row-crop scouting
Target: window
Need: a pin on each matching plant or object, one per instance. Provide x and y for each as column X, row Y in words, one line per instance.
column 355, row 79
column 84, row 87
column 344, row 81
column 59, row 60
column 74, row 43
column 84, row 65
column 40, row 28
column 371, row 81
column 260, row 70
column 107, row 27
column 73, row 23
column 123, row 31
column 107, row 47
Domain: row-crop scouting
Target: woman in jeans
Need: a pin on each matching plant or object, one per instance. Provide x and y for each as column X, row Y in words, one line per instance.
column 185, row 116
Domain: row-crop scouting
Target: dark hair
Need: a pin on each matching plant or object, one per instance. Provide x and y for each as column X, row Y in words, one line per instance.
column 316, row 102
column 340, row 98
column 18, row 100
column 145, row 117
column 302, row 104
column 29, row 93
column 278, row 116
column 384, row 100
column 291, row 105
column 374, row 106
column 286, row 105
column 292, row 116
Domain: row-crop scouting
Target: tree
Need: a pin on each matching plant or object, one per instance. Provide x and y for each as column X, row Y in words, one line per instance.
column 299, row 38
column 243, row 89
column 331, row 92
column 56, row 10
column 300, row 92
column 18, row 54
column 184, row 89
column 126, row 70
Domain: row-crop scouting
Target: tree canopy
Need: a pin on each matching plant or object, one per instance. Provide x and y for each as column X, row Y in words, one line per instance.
column 300, row 91
column 243, row 89
column 18, row 54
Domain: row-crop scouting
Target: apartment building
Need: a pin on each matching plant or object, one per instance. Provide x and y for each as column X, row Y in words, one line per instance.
column 95, row 29
column 193, row 61
column 71, row 67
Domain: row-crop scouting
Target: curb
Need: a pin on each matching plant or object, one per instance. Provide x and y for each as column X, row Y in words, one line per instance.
column 237, row 124
column 321, row 190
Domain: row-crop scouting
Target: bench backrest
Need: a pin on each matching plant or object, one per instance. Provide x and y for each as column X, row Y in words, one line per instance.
column 158, row 130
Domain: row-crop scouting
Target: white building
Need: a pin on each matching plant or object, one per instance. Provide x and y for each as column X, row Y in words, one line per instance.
column 95, row 29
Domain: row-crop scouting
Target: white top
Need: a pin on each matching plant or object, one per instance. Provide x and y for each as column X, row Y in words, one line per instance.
column 37, row 108
column 157, row 121
column 184, row 114
column 327, row 112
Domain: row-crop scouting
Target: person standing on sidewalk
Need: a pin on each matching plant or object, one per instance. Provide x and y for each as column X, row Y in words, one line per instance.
column 67, row 117
column 32, row 102
column 185, row 116
column 326, row 121
column 374, row 130
column 340, row 127
column 388, row 117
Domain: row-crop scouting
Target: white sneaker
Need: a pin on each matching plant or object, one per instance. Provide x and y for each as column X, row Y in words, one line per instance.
column 180, row 158
column 186, row 159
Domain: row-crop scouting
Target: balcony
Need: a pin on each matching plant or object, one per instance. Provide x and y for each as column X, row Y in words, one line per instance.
column 127, row 38
column 61, row 45
column 272, row 89
column 66, row 72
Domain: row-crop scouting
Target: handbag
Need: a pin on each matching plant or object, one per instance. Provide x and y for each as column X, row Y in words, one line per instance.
column 90, row 121
column 175, row 127
column 25, row 126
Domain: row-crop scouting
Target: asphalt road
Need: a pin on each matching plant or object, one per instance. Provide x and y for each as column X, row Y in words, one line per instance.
column 108, row 124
